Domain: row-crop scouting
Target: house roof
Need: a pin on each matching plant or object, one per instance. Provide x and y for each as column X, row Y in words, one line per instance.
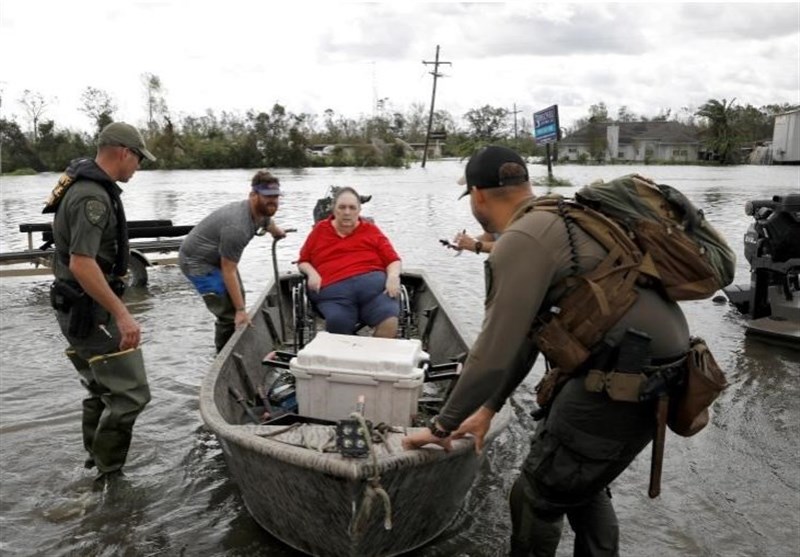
column 666, row 132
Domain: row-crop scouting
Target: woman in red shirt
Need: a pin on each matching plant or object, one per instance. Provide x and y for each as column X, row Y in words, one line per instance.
column 352, row 269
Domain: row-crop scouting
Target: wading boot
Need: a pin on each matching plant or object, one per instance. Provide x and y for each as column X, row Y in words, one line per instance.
column 92, row 405
column 122, row 377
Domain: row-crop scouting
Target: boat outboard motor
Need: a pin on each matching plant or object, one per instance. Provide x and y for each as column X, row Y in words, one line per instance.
column 324, row 206
column 772, row 247
column 775, row 234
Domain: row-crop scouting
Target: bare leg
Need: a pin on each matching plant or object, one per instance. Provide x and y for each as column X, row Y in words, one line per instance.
column 386, row 328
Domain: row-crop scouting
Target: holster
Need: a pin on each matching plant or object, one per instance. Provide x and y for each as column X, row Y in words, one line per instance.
column 63, row 294
column 68, row 297
column 81, row 317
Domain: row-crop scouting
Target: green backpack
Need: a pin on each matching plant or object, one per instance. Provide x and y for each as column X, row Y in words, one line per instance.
column 681, row 249
column 655, row 238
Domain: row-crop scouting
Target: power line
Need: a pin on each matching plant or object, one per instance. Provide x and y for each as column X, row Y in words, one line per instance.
column 435, row 73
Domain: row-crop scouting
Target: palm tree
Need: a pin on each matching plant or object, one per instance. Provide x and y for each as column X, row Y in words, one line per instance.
column 720, row 135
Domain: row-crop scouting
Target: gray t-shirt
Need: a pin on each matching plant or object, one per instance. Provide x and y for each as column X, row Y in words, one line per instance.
column 223, row 233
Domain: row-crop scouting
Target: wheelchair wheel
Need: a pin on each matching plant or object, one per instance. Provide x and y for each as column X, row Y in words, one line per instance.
column 405, row 317
column 302, row 318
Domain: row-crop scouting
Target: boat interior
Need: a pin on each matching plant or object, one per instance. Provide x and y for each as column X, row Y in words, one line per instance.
column 254, row 368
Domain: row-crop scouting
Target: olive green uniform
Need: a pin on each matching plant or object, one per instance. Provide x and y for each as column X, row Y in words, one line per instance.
column 86, row 223
column 587, row 440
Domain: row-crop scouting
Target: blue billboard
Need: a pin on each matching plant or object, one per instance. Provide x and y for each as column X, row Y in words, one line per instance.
column 545, row 125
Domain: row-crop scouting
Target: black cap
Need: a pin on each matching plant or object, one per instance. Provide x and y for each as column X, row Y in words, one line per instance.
column 483, row 169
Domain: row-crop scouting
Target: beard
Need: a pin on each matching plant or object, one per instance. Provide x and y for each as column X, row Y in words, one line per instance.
column 483, row 220
column 269, row 209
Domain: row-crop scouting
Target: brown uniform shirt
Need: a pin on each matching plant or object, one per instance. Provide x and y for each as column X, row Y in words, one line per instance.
column 530, row 258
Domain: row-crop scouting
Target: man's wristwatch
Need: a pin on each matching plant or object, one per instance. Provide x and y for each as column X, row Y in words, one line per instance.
column 436, row 430
column 241, row 309
column 478, row 246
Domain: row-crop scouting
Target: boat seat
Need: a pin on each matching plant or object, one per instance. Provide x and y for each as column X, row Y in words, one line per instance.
column 305, row 314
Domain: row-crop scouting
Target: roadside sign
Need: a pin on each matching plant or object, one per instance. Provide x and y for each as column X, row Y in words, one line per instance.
column 545, row 125
column 442, row 135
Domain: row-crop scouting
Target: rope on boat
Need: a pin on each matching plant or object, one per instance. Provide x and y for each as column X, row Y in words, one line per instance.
column 372, row 491
column 323, row 445
column 326, row 445
column 279, row 431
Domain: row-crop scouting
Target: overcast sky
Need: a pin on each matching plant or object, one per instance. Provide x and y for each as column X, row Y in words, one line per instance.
column 235, row 55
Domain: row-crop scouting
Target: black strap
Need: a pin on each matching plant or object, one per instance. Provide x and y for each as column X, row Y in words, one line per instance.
column 123, row 244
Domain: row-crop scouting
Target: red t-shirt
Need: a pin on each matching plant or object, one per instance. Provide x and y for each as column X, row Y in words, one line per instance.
column 338, row 258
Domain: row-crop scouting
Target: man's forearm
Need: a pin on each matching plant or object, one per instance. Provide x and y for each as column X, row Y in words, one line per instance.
column 231, row 279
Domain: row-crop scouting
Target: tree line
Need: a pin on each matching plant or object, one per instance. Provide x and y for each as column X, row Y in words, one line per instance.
column 281, row 138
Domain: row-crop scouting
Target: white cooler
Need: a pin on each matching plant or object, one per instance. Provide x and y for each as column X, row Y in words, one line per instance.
column 332, row 371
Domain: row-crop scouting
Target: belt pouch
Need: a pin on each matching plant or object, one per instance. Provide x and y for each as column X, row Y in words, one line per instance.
column 624, row 387
column 81, row 317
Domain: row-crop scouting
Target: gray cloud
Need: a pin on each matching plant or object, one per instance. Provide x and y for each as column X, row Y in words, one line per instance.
column 739, row 21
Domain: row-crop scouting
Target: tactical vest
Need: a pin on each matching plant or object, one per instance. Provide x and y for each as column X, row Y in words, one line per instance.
column 570, row 331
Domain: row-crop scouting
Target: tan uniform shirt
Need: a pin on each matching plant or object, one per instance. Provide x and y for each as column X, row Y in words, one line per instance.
column 530, row 258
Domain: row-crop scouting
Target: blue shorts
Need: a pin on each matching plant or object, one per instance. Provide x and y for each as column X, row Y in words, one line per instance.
column 358, row 300
column 212, row 283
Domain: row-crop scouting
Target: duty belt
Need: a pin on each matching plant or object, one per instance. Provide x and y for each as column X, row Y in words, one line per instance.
column 652, row 381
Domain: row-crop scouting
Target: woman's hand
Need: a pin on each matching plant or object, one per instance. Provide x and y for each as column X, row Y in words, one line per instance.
column 314, row 281
column 392, row 286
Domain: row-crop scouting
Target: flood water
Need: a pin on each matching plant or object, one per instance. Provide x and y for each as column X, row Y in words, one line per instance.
column 733, row 490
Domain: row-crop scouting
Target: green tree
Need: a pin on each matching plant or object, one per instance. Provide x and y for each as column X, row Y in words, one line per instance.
column 57, row 147
column 35, row 106
column 599, row 113
column 17, row 150
column 487, row 123
column 416, row 123
column 99, row 106
column 719, row 135
column 625, row 115
column 155, row 100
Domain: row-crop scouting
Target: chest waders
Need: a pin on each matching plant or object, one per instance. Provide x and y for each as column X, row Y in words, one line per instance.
column 116, row 380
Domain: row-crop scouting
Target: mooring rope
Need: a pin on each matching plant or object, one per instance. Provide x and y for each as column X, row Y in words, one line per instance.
column 373, row 489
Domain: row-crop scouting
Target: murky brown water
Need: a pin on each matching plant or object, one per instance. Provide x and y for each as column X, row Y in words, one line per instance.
column 734, row 490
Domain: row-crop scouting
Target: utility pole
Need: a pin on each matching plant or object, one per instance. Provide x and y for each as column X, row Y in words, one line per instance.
column 435, row 73
column 515, row 112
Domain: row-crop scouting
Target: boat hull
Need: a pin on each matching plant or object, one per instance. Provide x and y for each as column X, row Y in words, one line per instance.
column 315, row 512
column 322, row 503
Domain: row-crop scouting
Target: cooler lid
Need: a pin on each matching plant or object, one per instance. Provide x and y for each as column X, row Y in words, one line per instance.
column 332, row 353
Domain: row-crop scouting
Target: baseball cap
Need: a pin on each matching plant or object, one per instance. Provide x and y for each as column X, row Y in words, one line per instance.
column 483, row 169
column 269, row 189
column 120, row 133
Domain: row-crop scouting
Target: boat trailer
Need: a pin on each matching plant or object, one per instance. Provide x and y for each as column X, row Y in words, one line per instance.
column 159, row 237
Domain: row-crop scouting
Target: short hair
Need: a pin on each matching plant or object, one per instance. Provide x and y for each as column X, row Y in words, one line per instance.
column 511, row 170
column 346, row 189
column 263, row 177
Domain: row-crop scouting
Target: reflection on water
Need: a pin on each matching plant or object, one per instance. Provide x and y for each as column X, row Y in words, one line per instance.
column 732, row 490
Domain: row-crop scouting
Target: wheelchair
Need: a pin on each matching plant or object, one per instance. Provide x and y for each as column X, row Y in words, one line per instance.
column 306, row 317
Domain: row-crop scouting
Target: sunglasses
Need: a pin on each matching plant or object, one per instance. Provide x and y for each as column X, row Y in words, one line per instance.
column 138, row 154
